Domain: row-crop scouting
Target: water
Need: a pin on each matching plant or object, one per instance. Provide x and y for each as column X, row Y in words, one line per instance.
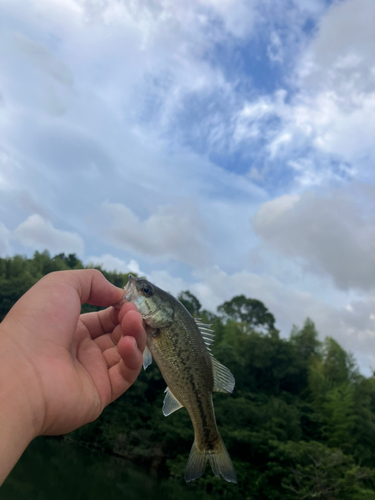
column 53, row 469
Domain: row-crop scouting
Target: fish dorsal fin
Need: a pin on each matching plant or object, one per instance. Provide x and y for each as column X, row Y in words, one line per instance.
column 170, row 403
column 223, row 378
column 147, row 358
column 206, row 332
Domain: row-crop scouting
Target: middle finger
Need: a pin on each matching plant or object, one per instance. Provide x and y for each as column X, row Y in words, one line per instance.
column 109, row 339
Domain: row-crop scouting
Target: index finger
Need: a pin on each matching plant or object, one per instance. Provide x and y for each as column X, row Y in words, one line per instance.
column 101, row 322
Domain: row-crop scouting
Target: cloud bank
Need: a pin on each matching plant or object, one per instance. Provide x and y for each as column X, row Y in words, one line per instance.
column 225, row 147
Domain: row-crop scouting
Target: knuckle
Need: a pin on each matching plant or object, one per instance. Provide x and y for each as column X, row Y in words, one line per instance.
column 95, row 273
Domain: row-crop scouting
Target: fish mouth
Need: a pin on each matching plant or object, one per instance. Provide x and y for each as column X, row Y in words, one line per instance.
column 130, row 289
column 131, row 279
column 131, row 292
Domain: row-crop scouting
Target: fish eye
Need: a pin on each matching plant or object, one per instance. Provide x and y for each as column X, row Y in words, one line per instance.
column 147, row 290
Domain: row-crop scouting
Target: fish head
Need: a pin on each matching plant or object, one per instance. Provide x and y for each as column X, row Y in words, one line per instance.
column 151, row 302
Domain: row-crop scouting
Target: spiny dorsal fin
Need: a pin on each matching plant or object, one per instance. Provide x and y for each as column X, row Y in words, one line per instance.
column 206, row 332
column 147, row 358
column 223, row 378
column 170, row 403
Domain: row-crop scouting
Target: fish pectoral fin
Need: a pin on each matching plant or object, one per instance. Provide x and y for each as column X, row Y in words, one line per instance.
column 147, row 358
column 223, row 378
column 170, row 403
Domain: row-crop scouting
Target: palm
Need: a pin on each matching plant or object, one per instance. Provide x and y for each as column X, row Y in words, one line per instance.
column 81, row 362
column 82, row 381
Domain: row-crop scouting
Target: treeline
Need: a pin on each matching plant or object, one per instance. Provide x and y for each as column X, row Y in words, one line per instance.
column 299, row 425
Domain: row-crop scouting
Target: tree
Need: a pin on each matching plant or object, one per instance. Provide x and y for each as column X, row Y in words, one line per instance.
column 339, row 416
column 338, row 365
column 190, row 301
column 305, row 340
column 252, row 313
column 321, row 473
column 70, row 260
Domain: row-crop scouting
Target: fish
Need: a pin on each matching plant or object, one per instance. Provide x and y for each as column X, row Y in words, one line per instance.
column 180, row 346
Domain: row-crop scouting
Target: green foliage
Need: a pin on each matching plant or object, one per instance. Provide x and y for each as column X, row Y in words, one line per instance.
column 305, row 341
column 339, row 416
column 314, row 471
column 251, row 313
column 191, row 302
column 338, row 365
column 300, row 423
column 18, row 274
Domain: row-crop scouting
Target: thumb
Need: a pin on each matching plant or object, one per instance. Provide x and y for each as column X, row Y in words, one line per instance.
column 90, row 285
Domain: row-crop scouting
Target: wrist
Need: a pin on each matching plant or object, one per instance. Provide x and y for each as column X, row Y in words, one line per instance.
column 19, row 420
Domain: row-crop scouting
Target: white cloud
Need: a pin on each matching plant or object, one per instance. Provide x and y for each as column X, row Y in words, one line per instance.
column 40, row 234
column 255, row 174
column 171, row 232
column 275, row 49
column 331, row 124
column 251, row 120
column 152, row 51
column 8, row 169
column 341, row 55
column 332, row 232
column 237, row 16
column 142, row 59
column 4, row 240
column 97, row 98
column 43, row 59
column 324, row 126
column 166, row 281
column 270, row 212
column 112, row 263
column 353, row 327
column 336, row 106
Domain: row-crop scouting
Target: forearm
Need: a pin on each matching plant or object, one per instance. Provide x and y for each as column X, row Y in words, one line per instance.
column 17, row 427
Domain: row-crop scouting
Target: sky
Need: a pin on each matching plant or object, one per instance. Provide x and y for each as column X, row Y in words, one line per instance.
column 221, row 146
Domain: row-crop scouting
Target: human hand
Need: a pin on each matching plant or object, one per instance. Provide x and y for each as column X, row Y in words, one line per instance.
column 65, row 366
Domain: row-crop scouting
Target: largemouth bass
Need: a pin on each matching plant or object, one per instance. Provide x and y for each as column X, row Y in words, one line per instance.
column 180, row 346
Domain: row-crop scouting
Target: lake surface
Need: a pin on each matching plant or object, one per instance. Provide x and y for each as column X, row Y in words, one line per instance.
column 52, row 469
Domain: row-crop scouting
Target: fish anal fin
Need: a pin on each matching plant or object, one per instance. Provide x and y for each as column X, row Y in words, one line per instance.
column 223, row 378
column 147, row 358
column 170, row 403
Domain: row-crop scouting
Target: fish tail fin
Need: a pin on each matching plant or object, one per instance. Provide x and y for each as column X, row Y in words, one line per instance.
column 220, row 462
column 196, row 464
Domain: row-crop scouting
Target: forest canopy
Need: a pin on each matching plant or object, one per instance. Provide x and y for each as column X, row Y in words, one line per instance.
column 300, row 423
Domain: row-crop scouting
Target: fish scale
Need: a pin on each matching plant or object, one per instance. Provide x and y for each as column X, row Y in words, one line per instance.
column 196, row 400
column 180, row 346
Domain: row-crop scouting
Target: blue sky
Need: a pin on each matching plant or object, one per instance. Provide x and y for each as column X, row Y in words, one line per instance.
column 222, row 146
